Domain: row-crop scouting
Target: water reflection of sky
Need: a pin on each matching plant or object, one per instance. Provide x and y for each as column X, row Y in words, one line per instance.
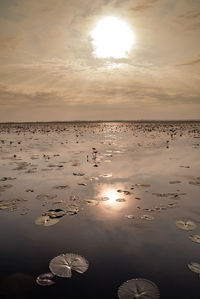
column 117, row 248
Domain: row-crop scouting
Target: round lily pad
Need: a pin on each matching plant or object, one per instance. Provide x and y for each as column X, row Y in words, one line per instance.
column 63, row 264
column 195, row 238
column 46, row 221
column 147, row 217
column 194, row 267
column 185, row 225
column 138, row 288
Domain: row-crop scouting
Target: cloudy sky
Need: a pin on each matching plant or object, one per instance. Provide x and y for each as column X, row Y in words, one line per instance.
column 49, row 70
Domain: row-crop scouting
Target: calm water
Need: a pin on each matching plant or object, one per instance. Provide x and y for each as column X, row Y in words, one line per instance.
column 157, row 163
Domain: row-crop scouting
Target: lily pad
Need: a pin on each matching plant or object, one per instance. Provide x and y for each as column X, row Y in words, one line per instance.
column 63, row 264
column 46, row 196
column 57, row 213
column 45, row 279
column 194, row 267
column 147, row 217
column 143, row 185
column 185, row 225
column 130, row 216
column 120, row 199
column 195, row 238
column 46, row 221
column 197, row 183
column 61, row 187
column 138, row 288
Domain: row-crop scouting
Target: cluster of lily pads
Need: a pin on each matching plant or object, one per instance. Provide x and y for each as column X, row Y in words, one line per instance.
column 189, row 226
column 63, row 264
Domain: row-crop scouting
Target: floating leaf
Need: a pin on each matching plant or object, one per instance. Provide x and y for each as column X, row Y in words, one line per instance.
column 130, row 216
column 138, row 288
column 194, row 183
column 194, row 267
column 62, row 265
column 45, row 279
column 143, row 185
column 46, row 196
column 46, row 221
column 72, row 210
column 91, row 202
column 195, row 238
column 120, row 199
column 147, row 217
column 185, row 225
column 57, row 213
column 105, row 198
column 61, row 187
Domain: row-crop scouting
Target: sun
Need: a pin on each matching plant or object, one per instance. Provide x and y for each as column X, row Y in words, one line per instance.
column 112, row 38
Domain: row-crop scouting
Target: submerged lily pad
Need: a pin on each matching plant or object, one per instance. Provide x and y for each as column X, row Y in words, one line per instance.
column 194, row 267
column 45, row 279
column 62, row 265
column 195, row 238
column 138, row 288
column 185, row 225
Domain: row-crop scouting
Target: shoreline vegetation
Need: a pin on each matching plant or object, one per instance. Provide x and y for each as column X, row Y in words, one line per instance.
column 101, row 121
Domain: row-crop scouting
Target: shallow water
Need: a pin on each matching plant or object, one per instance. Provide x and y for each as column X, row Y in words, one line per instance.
column 158, row 167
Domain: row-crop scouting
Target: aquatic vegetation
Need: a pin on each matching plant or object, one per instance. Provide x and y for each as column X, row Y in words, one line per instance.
column 63, row 264
column 194, row 267
column 104, row 198
column 11, row 205
column 120, row 200
column 4, row 187
column 57, row 213
column 61, row 187
column 195, row 238
column 195, row 183
column 78, row 173
column 138, row 288
column 147, row 217
column 46, row 221
column 72, row 210
column 3, row 179
column 130, row 216
column 91, row 202
column 185, row 225
column 45, row 279
column 106, row 175
column 46, row 196
column 143, row 185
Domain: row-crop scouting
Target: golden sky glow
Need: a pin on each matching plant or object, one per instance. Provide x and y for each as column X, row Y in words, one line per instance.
column 57, row 65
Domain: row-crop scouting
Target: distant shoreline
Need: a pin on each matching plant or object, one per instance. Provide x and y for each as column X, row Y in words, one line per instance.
column 100, row 121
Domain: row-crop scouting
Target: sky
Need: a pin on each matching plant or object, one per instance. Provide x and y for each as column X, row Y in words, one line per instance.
column 49, row 70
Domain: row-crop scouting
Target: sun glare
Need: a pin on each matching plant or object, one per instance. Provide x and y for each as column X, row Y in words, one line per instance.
column 112, row 38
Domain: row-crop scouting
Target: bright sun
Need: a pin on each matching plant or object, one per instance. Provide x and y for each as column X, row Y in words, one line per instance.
column 112, row 37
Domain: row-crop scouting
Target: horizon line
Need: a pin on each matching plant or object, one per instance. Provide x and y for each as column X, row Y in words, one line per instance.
column 98, row 121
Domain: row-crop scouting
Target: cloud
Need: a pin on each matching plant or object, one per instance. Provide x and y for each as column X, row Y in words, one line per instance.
column 146, row 5
column 191, row 62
